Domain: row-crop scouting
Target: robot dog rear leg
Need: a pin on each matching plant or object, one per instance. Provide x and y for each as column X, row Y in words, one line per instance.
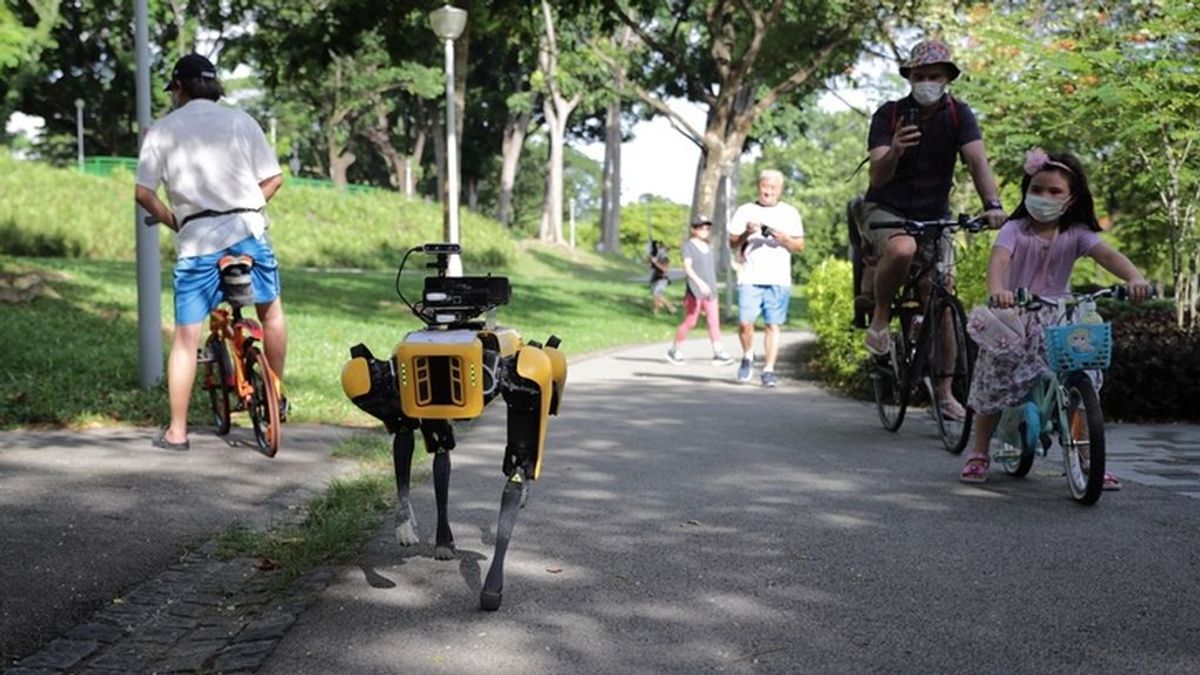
column 406, row 520
column 439, row 439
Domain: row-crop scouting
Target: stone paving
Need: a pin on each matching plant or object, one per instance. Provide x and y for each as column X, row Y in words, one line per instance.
column 1162, row 456
column 202, row 614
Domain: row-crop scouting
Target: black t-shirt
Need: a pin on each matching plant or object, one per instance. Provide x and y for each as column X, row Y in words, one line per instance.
column 921, row 187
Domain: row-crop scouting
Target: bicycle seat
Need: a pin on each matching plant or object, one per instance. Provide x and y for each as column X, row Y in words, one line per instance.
column 235, row 279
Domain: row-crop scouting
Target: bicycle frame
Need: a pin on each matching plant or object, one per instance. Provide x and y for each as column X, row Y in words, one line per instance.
column 236, row 332
column 939, row 350
column 1047, row 409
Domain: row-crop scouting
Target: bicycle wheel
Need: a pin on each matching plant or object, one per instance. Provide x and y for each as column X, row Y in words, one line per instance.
column 216, row 381
column 264, row 403
column 957, row 368
column 1081, row 436
column 888, row 377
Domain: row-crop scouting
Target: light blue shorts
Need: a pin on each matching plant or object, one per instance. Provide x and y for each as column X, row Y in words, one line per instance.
column 198, row 282
column 769, row 301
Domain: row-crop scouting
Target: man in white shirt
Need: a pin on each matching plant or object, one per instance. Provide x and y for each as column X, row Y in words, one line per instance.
column 219, row 173
column 765, row 233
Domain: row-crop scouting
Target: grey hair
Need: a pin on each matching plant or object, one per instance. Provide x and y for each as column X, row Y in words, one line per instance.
column 770, row 174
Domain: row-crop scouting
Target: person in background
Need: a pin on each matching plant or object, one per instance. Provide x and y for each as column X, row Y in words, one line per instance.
column 660, row 267
column 699, row 265
column 768, row 232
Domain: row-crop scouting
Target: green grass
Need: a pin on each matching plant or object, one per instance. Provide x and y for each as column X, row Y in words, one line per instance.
column 46, row 211
column 334, row 525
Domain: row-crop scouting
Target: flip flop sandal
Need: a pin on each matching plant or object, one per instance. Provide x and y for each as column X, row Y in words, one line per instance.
column 1111, row 482
column 875, row 339
column 160, row 441
column 953, row 410
column 976, row 469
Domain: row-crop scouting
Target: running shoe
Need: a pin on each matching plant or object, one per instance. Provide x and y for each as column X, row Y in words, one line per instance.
column 743, row 374
column 722, row 358
column 769, row 379
column 674, row 356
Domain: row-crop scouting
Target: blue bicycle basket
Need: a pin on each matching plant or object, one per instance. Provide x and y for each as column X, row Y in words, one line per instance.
column 1079, row 346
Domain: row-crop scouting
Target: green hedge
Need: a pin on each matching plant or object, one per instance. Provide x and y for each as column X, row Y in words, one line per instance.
column 840, row 353
column 1155, row 373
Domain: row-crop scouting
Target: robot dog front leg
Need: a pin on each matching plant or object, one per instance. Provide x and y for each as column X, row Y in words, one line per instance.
column 439, row 440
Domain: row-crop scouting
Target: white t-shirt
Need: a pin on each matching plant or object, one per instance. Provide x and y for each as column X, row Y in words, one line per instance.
column 211, row 158
column 767, row 262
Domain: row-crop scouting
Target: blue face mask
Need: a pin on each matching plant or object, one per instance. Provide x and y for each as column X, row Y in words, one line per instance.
column 1045, row 209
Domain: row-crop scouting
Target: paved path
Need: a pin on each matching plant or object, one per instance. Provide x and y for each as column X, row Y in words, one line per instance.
column 689, row 524
column 684, row 523
column 87, row 517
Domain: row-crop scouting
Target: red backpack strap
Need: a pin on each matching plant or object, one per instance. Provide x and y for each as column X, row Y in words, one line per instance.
column 895, row 119
column 954, row 123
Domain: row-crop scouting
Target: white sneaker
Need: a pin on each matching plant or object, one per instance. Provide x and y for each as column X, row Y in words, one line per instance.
column 674, row 356
column 722, row 358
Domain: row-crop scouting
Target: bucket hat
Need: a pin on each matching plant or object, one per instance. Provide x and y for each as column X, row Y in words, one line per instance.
column 928, row 53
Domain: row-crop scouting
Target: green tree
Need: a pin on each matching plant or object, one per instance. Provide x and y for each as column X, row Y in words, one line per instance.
column 21, row 43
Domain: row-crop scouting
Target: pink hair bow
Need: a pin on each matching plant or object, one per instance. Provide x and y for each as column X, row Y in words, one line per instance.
column 1035, row 160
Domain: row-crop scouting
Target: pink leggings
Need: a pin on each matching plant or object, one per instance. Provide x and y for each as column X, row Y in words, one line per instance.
column 691, row 314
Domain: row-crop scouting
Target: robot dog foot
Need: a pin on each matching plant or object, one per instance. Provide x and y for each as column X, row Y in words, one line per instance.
column 406, row 526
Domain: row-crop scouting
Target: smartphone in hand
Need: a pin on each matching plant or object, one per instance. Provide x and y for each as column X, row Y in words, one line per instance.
column 912, row 117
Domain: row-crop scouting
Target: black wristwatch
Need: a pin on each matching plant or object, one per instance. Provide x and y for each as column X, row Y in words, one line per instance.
column 992, row 204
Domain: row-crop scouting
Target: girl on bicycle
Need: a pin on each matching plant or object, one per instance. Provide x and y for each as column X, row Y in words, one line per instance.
column 1036, row 249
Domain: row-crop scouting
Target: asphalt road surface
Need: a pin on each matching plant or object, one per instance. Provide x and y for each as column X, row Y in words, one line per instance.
column 686, row 523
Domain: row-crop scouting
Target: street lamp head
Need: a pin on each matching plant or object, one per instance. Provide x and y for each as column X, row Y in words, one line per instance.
column 448, row 22
column 79, row 104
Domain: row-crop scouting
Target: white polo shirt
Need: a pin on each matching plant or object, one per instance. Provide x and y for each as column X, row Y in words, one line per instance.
column 211, row 158
column 767, row 262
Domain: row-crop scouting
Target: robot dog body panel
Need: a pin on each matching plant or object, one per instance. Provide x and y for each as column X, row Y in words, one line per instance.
column 452, row 370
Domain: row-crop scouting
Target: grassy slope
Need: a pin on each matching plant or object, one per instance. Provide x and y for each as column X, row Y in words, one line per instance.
column 72, row 360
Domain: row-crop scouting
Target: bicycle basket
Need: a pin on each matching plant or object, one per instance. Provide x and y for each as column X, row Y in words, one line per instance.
column 1079, row 346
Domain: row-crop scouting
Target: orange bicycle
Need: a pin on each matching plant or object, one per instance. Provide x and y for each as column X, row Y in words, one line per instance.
column 236, row 373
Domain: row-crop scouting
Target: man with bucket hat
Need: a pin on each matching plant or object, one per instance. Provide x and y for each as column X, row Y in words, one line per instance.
column 914, row 144
column 219, row 172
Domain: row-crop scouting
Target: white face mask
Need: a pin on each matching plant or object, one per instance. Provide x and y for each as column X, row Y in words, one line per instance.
column 1045, row 209
column 927, row 93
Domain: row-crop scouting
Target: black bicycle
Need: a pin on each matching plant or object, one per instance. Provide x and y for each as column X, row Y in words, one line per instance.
column 929, row 340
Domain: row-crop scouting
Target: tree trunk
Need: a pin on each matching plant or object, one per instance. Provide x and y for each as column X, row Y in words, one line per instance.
column 552, row 207
column 513, row 141
column 610, row 202
column 472, row 187
column 340, row 160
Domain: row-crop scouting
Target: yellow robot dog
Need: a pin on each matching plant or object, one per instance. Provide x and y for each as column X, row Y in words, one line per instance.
column 450, row 370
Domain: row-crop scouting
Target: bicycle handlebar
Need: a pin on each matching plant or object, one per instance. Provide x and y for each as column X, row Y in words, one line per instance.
column 1024, row 299
column 919, row 227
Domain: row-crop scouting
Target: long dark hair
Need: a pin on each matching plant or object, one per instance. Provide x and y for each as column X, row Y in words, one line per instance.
column 1082, row 208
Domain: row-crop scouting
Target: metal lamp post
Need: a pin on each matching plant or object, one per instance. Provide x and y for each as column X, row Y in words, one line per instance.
column 149, row 282
column 79, row 131
column 448, row 23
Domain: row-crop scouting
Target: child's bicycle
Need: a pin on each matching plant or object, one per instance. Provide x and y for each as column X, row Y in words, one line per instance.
column 929, row 339
column 236, row 373
column 1064, row 402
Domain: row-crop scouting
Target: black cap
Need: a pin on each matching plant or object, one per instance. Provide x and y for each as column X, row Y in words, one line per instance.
column 701, row 220
column 191, row 66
